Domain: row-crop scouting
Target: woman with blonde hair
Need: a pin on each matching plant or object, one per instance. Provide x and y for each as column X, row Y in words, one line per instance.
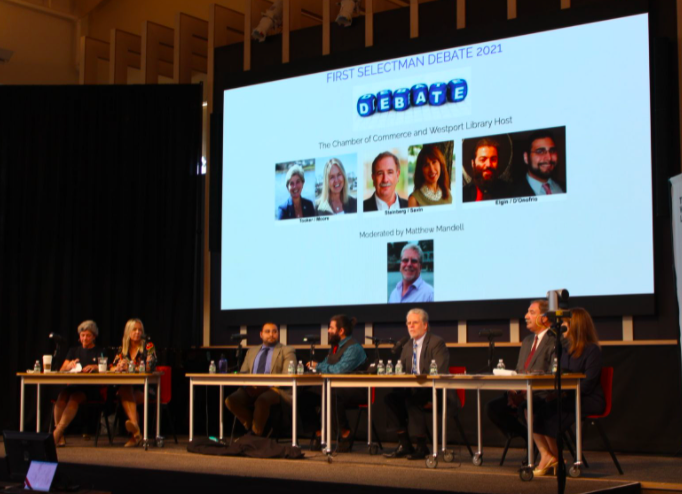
column 335, row 198
column 134, row 349
column 581, row 355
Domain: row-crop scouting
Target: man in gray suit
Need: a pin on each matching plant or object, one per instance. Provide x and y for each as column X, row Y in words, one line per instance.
column 537, row 352
column 251, row 405
column 406, row 406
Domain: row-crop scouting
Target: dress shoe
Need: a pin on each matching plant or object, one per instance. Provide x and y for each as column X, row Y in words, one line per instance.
column 419, row 453
column 133, row 442
column 316, row 443
column 548, row 470
column 344, row 445
column 402, row 451
column 135, row 431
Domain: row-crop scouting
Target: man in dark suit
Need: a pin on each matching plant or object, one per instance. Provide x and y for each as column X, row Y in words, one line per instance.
column 385, row 176
column 536, row 355
column 251, row 405
column 541, row 158
column 406, row 406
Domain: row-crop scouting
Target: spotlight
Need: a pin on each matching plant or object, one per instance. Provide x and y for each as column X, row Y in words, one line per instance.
column 272, row 19
column 348, row 8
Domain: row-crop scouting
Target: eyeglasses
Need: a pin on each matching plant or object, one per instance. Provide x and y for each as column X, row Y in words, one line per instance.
column 407, row 260
column 544, row 151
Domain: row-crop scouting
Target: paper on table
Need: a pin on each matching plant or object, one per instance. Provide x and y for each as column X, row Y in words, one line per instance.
column 77, row 369
column 504, row 372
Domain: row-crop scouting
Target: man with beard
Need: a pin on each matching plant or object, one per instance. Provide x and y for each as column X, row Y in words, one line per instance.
column 485, row 174
column 536, row 355
column 411, row 288
column 541, row 160
column 345, row 357
column 385, row 176
column 251, row 404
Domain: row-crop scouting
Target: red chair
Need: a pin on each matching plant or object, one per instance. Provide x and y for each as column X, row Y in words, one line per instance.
column 607, row 387
column 372, row 448
column 462, row 399
column 166, row 385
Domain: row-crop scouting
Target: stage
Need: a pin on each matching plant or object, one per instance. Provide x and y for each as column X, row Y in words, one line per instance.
column 173, row 469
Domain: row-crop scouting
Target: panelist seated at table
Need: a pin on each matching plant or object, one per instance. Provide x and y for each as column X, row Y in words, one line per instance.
column 134, row 348
column 536, row 355
column 345, row 357
column 70, row 398
column 581, row 355
column 407, row 407
column 251, row 404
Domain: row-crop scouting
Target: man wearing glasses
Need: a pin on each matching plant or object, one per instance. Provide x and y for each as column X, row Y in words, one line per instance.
column 541, row 160
column 411, row 288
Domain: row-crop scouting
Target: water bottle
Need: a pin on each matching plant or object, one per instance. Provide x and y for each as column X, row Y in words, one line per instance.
column 399, row 367
column 299, row 368
column 389, row 368
column 222, row 364
column 433, row 368
column 500, row 364
column 211, row 368
column 555, row 366
column 36, row 367
column 131, row 367
column 143, row 368
column 291, row 369
column 380, row 368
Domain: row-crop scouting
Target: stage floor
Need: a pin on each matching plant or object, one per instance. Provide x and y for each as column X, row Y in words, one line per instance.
column 372, row 473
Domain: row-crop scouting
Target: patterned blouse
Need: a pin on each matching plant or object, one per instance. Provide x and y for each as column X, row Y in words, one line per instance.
column 149, row 350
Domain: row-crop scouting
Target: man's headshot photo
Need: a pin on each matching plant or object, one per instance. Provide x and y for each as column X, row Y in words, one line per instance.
column 385, row 178
column 490, row 157
column 542, row 157
column 410, row 272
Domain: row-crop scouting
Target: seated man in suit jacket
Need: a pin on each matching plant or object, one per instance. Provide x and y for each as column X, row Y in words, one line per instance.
column 537, row 352
column 251, row 405
column 385, row 176
column 405, row 406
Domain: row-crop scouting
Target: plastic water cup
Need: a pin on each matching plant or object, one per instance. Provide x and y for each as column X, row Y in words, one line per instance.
column 102, row 364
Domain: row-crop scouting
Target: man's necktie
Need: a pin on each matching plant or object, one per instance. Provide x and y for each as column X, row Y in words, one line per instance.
column 414, row 358
column 547, row 189
column 263, row 360
column 532, row 352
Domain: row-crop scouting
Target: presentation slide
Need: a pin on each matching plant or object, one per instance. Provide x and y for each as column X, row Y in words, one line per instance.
column 493, row 171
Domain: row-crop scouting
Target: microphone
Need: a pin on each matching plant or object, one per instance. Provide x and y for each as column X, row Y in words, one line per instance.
column 398, row 347
column 490, row 333
column 311, row 338
column 237, row 337
column 56, row 338
column 379, row 340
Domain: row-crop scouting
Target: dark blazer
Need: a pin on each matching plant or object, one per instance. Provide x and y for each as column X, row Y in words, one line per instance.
column 286, row 211
column 371, row 203
column 542, row 358
column 522, row 188
column 433, row 347
column 589, row 363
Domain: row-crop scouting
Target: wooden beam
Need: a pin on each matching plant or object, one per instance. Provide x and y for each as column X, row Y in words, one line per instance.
column 157, row 52
column 92, row 50
column 190, row 47
column 511, row 9
column 369, row 23
column 461, row 14
column 124, row 52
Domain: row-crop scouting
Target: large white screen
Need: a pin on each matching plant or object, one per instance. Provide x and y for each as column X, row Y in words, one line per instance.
column 588, row 83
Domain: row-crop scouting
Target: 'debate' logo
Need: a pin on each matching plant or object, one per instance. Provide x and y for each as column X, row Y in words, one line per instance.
column 436, row 94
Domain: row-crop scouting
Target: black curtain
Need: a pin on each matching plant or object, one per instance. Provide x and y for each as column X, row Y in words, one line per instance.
column 100, row 218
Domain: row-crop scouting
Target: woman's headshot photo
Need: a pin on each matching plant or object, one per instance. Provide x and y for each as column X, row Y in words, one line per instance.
column 293, row 181
column 431, row 176
column 337, row 184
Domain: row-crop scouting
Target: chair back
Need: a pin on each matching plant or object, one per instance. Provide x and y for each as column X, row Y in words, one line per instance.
column 456, row 369
column 165, row 383
column 607, row 387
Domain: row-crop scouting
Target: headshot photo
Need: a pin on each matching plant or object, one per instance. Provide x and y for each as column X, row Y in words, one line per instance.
column 430, row 166
column 385, row 184
column 410, row 272
column 486, row 168
column 295, row 189
column 541, row 166
column 336, row 185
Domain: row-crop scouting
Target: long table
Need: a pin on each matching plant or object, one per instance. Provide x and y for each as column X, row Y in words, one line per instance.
column 104, row 378
column 269, row 380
